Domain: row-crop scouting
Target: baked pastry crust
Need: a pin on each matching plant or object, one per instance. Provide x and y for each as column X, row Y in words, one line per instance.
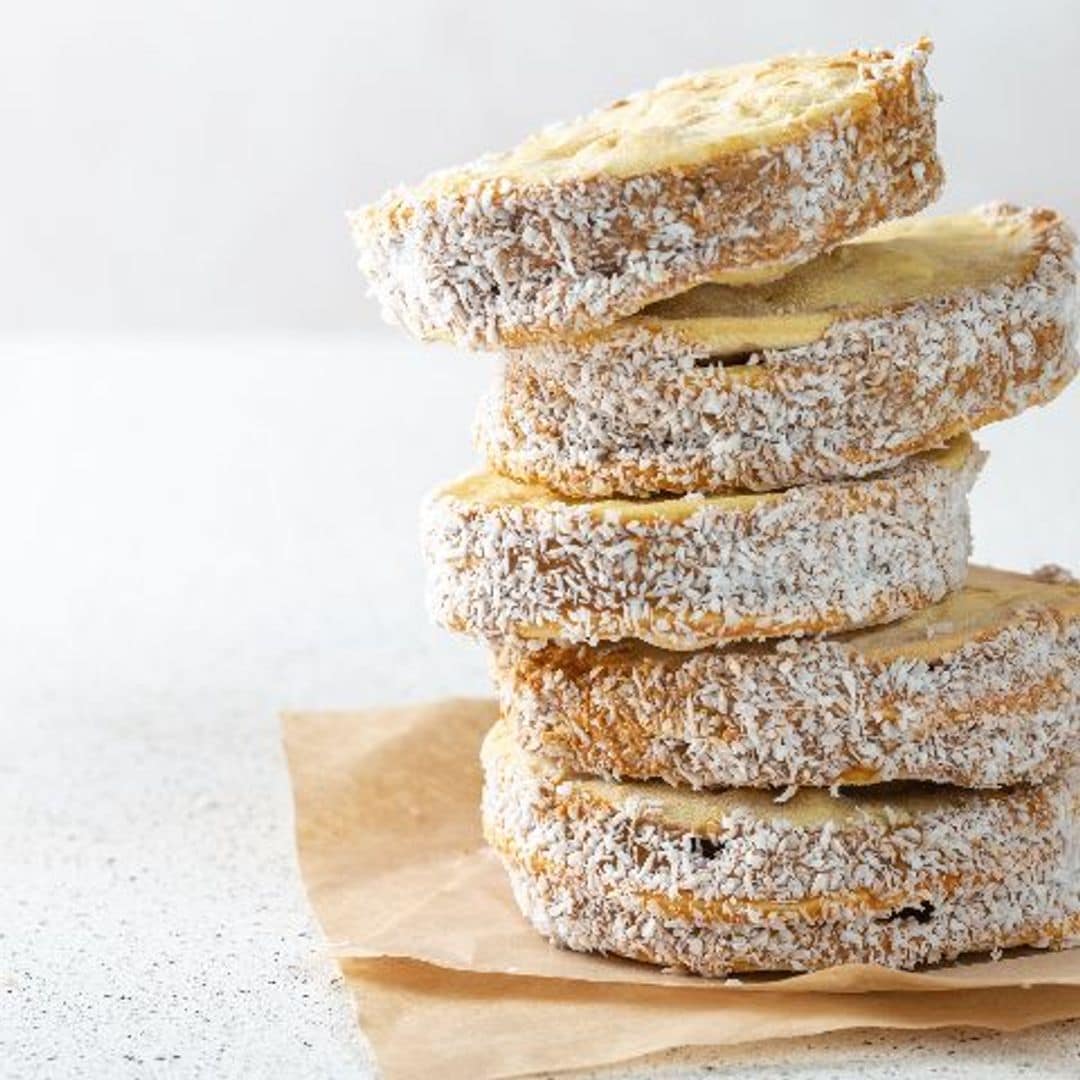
column 884, row 347
column 979, row 690
column 737, row 881
column 513, row 559
column 737, row 174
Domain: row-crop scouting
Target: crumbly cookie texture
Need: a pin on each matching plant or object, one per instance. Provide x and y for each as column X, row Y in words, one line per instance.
column 980, row 690
column 736, row 175
column 899, row 875
column 508, row 559
column 646, row 407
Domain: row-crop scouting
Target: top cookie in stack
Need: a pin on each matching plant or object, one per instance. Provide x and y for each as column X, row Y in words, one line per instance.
column 736, row 175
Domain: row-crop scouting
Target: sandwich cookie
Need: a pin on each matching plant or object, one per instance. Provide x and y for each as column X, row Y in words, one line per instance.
column 900, row 875
column 731, row 175
column 886, row 346
column 510, row 559
column 979, row 690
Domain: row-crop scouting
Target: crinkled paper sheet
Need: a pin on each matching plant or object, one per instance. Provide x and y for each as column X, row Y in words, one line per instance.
column 446, row 970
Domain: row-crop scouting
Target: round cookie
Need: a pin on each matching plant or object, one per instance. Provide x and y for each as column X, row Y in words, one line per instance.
column 980, row 690
column 886, row 346
column 511, row 559
column 900, row 875
column 737, row 174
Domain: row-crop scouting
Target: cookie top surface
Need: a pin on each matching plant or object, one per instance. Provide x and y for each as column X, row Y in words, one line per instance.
column 893, row 264
column 491, row 491
column 989, row 601
column 692, row 120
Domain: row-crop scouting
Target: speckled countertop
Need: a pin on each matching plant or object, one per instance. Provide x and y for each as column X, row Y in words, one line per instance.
column 197, row 536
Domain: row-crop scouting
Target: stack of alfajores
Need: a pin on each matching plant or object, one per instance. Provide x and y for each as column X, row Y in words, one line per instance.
column 757, row 712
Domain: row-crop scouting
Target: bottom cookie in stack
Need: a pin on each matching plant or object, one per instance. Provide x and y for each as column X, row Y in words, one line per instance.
column 734, row 881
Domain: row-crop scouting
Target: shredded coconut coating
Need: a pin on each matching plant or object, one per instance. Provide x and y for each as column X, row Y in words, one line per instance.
column 809, row 560
column 645, row 412
column 901, row 885
column 1000, row 916
column 1002, row 708
column 504, row 262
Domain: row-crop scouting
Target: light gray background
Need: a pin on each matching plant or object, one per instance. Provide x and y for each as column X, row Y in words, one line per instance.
column 211, row 455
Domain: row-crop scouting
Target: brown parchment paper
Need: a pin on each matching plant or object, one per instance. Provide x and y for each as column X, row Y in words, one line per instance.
column 425, row 1021
column 418, row 910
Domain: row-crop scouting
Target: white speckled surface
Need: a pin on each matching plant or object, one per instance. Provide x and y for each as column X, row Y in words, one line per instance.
column 196, row 536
